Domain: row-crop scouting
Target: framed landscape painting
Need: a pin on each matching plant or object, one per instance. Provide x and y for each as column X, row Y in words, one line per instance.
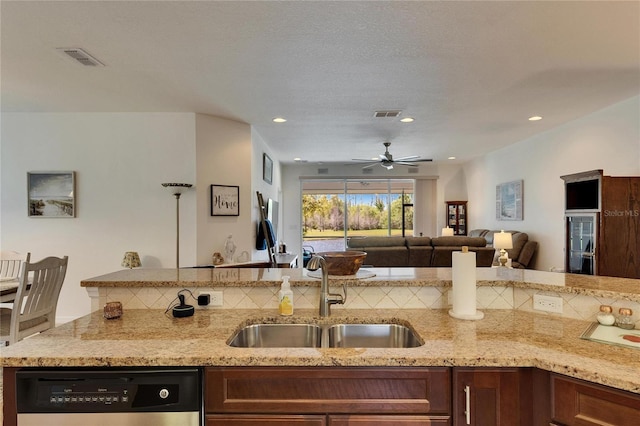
column 51, row 194
column 509, row 200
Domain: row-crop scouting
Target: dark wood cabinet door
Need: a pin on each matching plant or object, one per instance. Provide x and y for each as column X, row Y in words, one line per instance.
column 268, row 420
column 491, row 397
column 314, row 390
column 619, row 252
column 578, row 403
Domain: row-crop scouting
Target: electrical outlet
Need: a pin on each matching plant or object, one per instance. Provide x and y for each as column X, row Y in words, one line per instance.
column 543, row 302
column 216, row 298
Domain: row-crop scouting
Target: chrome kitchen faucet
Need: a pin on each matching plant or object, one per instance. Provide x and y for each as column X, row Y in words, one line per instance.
column 326, row 299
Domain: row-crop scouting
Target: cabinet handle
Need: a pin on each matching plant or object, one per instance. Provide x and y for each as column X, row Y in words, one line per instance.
column 467, row 403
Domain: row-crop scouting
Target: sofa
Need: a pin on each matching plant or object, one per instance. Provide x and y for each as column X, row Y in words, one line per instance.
column 419, row 251
column 523, row 250
column 436, row 252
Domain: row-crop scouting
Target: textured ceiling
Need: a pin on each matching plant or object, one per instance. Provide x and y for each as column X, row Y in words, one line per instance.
column 470, row 73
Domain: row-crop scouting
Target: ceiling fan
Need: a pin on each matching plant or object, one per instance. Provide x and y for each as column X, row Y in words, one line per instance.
column 386, row 160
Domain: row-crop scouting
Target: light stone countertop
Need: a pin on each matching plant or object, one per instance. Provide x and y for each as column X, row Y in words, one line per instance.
column 607, row 287
column 503, row 338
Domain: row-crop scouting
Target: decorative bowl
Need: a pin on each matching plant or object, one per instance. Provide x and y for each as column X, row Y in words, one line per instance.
column 343, row 262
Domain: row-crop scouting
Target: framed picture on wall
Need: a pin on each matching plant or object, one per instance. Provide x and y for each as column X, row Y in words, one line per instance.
column 225, row 200
column 267, row 169
column 51, row 194
column 509, row 200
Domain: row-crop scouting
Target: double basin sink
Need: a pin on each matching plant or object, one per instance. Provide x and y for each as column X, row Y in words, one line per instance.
column 325, row 336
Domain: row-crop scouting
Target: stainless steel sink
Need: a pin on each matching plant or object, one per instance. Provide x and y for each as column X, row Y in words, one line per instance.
column 372, row 336
column 326, row 336
column 277, row 336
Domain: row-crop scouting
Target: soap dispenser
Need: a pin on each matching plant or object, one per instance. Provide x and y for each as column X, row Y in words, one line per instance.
column 285, row 298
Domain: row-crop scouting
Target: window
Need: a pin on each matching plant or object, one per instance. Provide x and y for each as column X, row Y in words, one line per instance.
column 367, row 207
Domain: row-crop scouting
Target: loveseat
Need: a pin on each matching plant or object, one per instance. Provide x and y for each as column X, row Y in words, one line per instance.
column 419, row 251
column 523, row 250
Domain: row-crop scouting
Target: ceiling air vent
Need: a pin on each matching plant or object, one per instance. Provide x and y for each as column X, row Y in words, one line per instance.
column 413, row 170
column 368, row 171
column 387, row 114
column 80, row 56
column 323, row 171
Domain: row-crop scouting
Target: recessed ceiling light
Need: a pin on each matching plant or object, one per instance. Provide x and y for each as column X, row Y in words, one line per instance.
column 451, row 158
column 279, row 120
column 406, row 120
column 535, row 118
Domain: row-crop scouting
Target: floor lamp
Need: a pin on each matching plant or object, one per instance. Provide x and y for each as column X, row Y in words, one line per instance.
column 176, row 189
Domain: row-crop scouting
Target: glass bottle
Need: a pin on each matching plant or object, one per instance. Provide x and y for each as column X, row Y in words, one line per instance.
column 229, row 249
column 625, row 320
column 605, row 317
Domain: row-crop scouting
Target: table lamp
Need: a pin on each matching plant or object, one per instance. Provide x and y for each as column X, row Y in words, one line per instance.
column 131, row 260
column 447, row 232
column 502, row 240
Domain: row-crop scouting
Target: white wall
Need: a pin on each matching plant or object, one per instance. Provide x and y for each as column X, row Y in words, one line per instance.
column 608, row 139
column 223, row 157
column 120, row 161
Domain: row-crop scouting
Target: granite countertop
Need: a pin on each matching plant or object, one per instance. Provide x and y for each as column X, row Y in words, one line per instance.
column 503, row 338
column 608, row 287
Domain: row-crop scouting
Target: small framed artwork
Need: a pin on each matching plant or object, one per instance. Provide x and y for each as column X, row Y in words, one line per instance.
column 509, row 200
column 51, row 194
column 225, row 200
column 267, row 169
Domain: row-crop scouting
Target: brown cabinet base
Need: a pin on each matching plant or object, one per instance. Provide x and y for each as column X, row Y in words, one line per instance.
column 580, row 403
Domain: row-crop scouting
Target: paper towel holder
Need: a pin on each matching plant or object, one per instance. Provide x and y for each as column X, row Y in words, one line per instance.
column 465, row 260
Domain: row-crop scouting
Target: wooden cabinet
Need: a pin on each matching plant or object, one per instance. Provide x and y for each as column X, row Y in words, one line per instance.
column 602, row 222
column 457, row 217
column 339, row 396
column 619, row 228
column 580, row 403
column 492, row 396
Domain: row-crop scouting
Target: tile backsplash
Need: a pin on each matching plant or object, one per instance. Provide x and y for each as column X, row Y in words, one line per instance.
column 488, row 297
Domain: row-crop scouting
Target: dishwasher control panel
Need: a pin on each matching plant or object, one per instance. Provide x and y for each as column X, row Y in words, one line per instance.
column 108, row 390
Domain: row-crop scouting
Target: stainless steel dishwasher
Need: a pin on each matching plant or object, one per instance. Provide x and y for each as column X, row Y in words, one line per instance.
column 123, row 397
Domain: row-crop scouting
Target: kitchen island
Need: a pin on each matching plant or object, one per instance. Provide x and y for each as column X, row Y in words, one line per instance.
column 504, row 339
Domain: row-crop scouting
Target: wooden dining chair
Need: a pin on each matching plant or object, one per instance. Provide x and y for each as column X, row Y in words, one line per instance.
column 34, row 308
column 10, row 263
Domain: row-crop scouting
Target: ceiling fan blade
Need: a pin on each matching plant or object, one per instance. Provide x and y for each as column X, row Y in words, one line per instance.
column 406, row 163
column 368, row 166
column 366, row 160
column 410, row 157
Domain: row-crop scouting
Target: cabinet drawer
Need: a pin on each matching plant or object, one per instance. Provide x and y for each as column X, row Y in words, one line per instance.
column 384, row 420
column 328, row 390
column 575, row 402
column 269, row 420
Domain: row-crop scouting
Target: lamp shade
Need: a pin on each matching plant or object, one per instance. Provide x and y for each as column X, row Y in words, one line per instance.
column 177, row 188
column 447, row 232
column 131, row 260
column 502, row 240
